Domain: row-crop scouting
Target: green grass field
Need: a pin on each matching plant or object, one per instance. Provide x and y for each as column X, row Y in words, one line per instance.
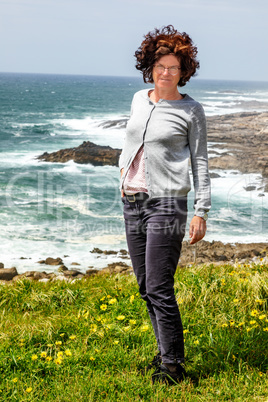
column 88, row 340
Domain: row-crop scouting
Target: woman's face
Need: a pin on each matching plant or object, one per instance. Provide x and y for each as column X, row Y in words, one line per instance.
column 164, row 79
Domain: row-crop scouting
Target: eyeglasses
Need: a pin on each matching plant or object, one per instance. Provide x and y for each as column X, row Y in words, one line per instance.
column 171, row 70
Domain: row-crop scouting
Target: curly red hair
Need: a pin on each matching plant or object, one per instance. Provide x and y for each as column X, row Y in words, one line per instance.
column 161, row 42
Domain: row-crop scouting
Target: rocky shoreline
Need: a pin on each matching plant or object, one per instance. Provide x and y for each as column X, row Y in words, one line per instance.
column 237, row 141
column 204, row 252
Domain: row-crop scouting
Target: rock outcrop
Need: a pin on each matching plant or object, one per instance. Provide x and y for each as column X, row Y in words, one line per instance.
column 88, row 152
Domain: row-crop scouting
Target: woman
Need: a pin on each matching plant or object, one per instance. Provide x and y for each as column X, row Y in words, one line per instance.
column 165, row 130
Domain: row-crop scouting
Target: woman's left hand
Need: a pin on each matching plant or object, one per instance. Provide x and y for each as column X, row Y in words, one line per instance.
column 197, row 229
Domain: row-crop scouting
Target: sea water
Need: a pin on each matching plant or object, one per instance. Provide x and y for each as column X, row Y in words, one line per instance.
column 67, row 209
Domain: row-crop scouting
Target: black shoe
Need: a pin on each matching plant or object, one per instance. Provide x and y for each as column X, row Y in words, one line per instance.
column 157, row 360
column 163, row 374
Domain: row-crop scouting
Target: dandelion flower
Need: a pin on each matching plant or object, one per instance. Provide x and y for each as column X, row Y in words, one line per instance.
column 144, row 328
column 34, row 357
column 253, row 313
column 120, row 317
column 93, row 327
column 68, row 352
column 15, row 380
column 103, row 307
column 29, row 390
column 72, row 337
column 132, row 322
column 232, row 323
column 58, row 343
column 259, row 301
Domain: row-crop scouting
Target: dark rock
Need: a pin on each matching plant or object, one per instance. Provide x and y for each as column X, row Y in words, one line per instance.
column 62, row 268
column 88, row 152
column 1, row 265
column 72, row 273
column 214, row 175
column 7, row 274
column 90, row 272
column 250, row 188
column 51, row 261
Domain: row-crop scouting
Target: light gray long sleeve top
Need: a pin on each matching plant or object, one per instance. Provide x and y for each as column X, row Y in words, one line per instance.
column 171, row 132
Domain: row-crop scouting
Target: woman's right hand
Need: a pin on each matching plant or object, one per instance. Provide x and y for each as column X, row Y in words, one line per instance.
column 122, row 191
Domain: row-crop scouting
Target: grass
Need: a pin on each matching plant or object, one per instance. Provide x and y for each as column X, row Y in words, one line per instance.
column 87, row 340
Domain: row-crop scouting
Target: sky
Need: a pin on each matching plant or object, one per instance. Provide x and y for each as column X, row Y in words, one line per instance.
column 100, row 37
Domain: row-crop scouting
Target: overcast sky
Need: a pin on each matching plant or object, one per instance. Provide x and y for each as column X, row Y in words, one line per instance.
column 100, row 37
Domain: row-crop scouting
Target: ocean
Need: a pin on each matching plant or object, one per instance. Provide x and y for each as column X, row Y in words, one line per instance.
column 67, row 210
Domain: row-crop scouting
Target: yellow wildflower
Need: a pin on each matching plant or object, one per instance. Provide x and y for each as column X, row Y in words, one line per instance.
column 144, row 328
column 49, row 345
column 265, row 329
column 68, row 352
column 98, row 319
column 62, row 335
column 97, row 350
column 262, row 316
column 120, row 317
column 196, row 342
column 29, row 390
column 186, row 331
column 241, row 324
column 58, row 361
column 103, row 298
column 252, row 322
column 259, row 301
column 224, row 325
column 34, row 357
column 132, row 297
column 92, row 358
column 127, row 329
column 58, row 343
column 60, row 355
column 180, row 300
column 43, row 354
column 72, row 337
column 249, row 329
column 116, row 342
column 15, row 380
column 232, row 323
column 48, row 358
column 93, row 327
column 253, row 313
column 132, row 322
column 236, row 300
column 103, row 307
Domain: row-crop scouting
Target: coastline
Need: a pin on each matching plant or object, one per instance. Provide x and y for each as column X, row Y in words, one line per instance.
column 236, row 141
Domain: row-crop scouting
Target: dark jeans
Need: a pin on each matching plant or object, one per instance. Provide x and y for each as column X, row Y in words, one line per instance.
column 155, row 230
